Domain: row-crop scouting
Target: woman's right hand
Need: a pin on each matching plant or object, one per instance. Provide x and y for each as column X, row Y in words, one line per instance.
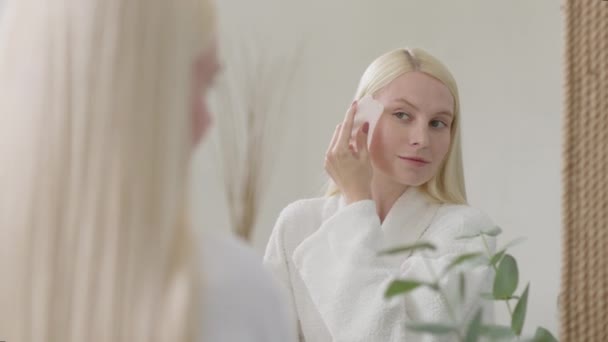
column 348, row 165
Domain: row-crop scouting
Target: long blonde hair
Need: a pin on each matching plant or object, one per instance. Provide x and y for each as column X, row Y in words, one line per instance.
column 95, row 141
column 447, row 186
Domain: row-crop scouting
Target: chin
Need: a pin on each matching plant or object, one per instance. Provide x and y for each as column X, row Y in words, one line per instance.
column 412, row 180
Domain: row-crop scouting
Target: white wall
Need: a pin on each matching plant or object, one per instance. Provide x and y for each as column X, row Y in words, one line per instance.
column 506, row 56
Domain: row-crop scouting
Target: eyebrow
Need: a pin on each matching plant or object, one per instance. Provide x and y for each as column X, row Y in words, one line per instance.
column 404, row 100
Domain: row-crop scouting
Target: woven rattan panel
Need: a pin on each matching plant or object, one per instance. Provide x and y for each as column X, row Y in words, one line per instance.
column 584, row 288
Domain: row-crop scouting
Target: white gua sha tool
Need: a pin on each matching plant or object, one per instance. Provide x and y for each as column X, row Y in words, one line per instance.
column 368, row 110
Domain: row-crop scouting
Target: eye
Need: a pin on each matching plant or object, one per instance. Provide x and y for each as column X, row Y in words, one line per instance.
column 402, row 115
column 438, row 124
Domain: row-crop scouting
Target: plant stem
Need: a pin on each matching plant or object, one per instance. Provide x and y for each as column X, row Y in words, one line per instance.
column 485, row 243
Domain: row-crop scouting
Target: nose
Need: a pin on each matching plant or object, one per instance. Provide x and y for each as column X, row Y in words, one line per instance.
column 419, row 136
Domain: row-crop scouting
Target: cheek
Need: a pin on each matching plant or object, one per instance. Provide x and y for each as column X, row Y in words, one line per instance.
column 387, row 134
column 384, row 142
column 441, row 146
column 201, row 118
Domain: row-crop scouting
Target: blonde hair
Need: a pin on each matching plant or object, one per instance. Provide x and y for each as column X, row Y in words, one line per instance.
column 447, row 186
column 95, row 141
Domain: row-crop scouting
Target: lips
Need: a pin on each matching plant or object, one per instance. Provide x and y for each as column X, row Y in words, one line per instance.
column 415, row 159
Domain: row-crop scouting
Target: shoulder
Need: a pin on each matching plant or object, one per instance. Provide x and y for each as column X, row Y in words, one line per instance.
column 455, row 221
column 303, row 217
column 462, row 219
column 240, row 299
column 310, row 208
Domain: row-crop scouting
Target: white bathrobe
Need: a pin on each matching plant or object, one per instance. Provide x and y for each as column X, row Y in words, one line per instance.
column 326, row 254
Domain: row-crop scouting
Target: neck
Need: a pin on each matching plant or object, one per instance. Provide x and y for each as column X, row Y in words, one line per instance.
column 385, row 192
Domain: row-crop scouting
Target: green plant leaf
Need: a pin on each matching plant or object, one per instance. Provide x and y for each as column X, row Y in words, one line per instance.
column 402, row 286
column 497, row 332
column 519, row 314
column 494, row 231
column 462, row 259
column 490, row 296
column 432, row 328
column 469, row 236
column 409, row 248
column 497, row 257
column 543, row 335
column 462, row 286
column 474, row 328
column 507, row 277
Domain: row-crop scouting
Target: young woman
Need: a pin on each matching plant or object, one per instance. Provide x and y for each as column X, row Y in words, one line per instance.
column 101, row 105
column 398, row 182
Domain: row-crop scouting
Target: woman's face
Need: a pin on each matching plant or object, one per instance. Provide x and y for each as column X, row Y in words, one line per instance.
column 412, row 136
column 205, row 69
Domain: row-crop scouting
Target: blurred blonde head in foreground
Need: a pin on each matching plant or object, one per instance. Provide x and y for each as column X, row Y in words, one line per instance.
column 96, row 131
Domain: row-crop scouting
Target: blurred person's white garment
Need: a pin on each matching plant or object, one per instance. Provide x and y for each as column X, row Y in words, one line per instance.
column 241, row 302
